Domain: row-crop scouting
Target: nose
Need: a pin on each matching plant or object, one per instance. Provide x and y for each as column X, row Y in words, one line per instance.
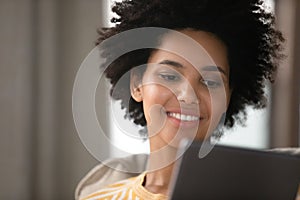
column 187, row 94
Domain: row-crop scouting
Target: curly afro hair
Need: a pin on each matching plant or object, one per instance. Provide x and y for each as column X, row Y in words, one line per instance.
column 254, row 46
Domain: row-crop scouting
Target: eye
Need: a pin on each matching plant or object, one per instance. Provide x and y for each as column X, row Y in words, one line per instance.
column 211, row 83
column 169, row 77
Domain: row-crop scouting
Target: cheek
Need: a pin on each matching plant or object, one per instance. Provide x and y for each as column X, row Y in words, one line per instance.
column 154, row 97
column 218, row 106
column 215, row 105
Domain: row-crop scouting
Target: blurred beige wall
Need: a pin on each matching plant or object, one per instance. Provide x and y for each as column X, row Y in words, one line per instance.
column 285, row 113
column 43, row 43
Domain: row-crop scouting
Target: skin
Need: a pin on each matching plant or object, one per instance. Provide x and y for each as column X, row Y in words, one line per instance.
column 171, row 85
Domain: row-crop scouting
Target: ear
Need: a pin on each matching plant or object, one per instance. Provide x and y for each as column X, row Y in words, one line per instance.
column 136, row 85
column 229, row 97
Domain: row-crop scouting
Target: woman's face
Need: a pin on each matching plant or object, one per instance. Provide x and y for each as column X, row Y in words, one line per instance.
column 181, row 99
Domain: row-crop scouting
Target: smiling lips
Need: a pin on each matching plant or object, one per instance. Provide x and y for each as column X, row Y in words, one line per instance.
column 183, row 117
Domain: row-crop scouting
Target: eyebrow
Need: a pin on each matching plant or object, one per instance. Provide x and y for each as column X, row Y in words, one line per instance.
column 171, row 63
column 206, row 68
column 214, row 68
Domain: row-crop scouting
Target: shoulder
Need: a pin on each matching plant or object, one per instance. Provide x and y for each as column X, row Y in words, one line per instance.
column 110, row 171
column 122, row 188
column 287, row 150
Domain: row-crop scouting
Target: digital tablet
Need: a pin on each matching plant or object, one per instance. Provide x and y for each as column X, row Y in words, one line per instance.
column 230, row 173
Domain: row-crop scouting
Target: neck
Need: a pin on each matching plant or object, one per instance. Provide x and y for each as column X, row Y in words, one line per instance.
column 160, row 177
column 160, row 167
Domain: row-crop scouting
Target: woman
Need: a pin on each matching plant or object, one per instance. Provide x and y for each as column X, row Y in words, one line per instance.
column 179, row 90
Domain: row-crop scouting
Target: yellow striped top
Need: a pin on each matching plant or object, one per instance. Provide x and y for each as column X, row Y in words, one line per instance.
column 129, row 189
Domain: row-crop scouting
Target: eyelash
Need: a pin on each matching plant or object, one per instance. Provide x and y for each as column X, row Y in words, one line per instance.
column 169, row 77
column 209, row 83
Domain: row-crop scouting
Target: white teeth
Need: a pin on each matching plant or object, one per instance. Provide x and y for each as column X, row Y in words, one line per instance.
column 183, row 117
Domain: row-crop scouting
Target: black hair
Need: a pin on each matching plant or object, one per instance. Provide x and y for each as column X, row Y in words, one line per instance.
column 248, row 31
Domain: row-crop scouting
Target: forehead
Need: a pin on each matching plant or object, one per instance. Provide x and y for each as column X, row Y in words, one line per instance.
column 198, row 48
